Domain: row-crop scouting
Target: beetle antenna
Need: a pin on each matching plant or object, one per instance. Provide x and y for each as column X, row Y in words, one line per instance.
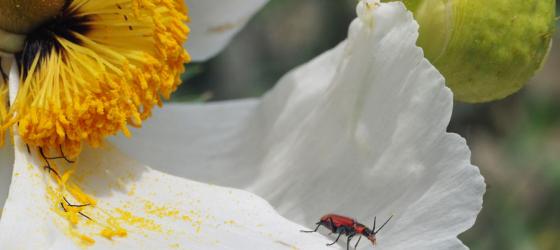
column 375, row 232
column 373, row 228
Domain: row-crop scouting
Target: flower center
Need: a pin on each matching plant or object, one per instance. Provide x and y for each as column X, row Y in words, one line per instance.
column 96, row 68
column 40, row 42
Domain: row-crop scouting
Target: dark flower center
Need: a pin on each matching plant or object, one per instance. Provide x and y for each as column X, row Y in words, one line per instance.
column 43, row 40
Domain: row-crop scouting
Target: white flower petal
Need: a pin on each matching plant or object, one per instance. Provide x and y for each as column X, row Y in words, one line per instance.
column 6, row 163
column 158, row 211
column 6, row 152
column 167, row 212
column 213, row 24
column 361, row 130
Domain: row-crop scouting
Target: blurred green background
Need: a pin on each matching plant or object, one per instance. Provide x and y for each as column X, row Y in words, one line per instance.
column 515, row 141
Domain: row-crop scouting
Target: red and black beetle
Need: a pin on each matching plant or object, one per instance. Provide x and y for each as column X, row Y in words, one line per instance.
column 345, row 225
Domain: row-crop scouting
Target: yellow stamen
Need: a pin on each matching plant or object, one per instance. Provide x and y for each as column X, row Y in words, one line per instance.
column 98, row 83
column 3, row 107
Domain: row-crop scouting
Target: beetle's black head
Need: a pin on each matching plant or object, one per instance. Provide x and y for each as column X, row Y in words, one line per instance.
column 367, row 232
column 371, row 233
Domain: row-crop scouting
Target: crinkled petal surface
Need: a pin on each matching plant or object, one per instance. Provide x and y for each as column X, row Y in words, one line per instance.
column 213, row 24
column 159, row 211
column 360, row 130
column 135, row 207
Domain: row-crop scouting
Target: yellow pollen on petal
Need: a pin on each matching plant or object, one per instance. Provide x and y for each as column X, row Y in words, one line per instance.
column 87, row 240
column 83, row 212
column 86, row 220
column 109, row 233
column 102, row 71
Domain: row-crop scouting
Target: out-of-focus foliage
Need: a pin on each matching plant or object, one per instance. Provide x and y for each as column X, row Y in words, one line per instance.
column 515, row 141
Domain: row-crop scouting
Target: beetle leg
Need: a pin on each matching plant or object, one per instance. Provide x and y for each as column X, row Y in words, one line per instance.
column 348, row 241
column 356, row 246
column 317, row 228
column 333, row 226
column 335, row 241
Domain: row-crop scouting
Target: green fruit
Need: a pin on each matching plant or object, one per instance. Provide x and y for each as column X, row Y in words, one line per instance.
column 486, row 49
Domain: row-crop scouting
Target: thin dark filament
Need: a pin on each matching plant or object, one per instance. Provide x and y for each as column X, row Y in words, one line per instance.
column 63, row 207
column 50, row 169
column 57, row 157
column 48, row 166
column 85, row 216
column 72, row 205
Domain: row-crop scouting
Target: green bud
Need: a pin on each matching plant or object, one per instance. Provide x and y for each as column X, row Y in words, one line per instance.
column 486, row 49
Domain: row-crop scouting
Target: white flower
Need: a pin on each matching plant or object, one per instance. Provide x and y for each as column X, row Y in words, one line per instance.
column 215, row 22
column 360, row 131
